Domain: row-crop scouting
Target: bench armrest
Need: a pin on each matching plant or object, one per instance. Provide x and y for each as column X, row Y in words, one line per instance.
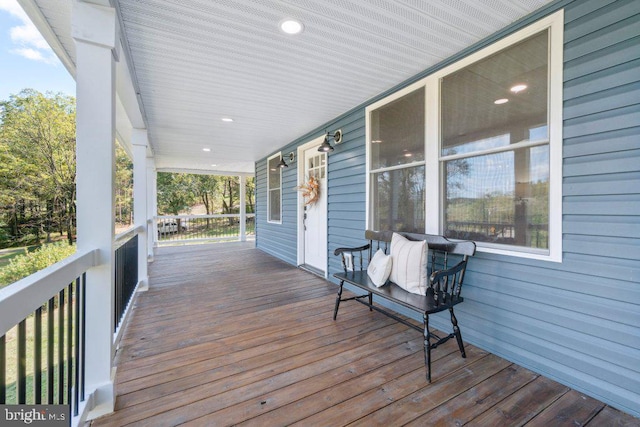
column 450, row 280
column 354, row 253
column 358, row 249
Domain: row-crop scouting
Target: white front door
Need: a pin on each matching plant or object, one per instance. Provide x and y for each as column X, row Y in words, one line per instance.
column 315, row 214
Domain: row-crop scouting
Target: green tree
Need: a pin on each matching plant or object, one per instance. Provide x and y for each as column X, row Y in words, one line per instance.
column 251, row 195
column 175, row 193
column 230, row 194
column 37, row 158
column 123, row 187
column 218, row 194
column 207, row 188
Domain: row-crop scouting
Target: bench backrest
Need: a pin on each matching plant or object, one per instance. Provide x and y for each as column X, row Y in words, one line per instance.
column 436, row 242
column 443, row 253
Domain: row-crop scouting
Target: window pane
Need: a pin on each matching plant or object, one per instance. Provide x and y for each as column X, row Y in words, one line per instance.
column 397, row 131
column 500, row 198
column 399, row 200
column 498, row 101
column 274, row 205
column 274, row 173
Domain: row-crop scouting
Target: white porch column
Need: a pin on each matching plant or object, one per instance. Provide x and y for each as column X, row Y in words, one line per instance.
column 153, row 202
column 152, row 208
column 243, row 208
column 94, row 31
column 139, row 143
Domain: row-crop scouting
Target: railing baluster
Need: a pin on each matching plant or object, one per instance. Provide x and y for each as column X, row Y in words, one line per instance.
column 69, row 341
column 50, row 372
column 132, row 269
column 37, row 357
column 61, row 347
column 76, row 348
column 21, row 379
column 3, row 371
column 83, row 324
column 116, row 286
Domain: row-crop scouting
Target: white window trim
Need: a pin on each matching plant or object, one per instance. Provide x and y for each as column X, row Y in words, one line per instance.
column 433, row 172
column 368, row 170
column 269, row 220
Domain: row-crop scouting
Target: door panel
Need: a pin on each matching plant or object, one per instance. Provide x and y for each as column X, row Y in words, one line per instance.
column 315, row 214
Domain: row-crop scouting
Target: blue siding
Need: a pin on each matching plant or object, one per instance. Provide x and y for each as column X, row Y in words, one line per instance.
column 276, row 239
column 577, row 321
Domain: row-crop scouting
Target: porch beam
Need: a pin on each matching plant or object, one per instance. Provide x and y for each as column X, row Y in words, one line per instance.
column 94, row 32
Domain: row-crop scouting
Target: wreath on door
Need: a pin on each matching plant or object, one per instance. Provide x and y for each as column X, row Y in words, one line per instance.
column 310, row 190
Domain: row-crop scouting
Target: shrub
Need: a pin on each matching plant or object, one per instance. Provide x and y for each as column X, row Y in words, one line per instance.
column 24, row 265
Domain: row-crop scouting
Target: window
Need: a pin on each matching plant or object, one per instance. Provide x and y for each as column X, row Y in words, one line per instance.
column 474, row 151
column 397, row 164
column 495, row 147
column 274, row 188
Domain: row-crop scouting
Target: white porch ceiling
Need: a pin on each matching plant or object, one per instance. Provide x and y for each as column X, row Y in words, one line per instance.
column 194, row 62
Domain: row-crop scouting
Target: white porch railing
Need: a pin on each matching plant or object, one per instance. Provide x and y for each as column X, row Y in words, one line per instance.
column 201, row 228
column 47, row 309
column 44, row 322
column 127, row 278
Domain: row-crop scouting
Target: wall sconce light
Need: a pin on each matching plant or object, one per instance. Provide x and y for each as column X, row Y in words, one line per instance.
column 283, row 164
column 325, row 147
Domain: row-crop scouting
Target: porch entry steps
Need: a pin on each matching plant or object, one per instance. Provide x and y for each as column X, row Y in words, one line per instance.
column 229, row 335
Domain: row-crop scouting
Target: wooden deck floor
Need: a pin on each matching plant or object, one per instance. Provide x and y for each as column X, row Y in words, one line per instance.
column 227, row 335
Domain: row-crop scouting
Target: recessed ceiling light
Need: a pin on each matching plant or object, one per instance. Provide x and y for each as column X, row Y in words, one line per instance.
column 213, row 165
column 376, row 141
column 227, row 119
column 501, row 101
column 206, row 150
column 518, row 88
column 291, row 26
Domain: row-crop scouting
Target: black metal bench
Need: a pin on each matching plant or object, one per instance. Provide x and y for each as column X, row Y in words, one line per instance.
column 443, row 288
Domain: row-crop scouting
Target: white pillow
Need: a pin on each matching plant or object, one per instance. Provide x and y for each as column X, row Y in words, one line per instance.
column 379, row 268
column 409, row 264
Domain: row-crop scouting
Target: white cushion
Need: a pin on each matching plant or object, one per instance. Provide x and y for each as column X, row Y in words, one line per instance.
column 379, row 268
column 409, row 269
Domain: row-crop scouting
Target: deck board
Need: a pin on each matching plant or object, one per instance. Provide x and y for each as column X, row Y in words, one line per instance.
column 228, row 335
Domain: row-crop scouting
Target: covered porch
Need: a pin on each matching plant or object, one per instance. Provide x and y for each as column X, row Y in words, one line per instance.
column 228, row 335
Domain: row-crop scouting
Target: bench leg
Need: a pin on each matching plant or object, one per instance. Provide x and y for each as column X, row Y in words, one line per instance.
column 427, row 346
column 456, row 331
column 338, row 298
column 370, row 301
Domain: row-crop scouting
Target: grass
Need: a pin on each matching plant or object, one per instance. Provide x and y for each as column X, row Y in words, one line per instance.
column 6, row 255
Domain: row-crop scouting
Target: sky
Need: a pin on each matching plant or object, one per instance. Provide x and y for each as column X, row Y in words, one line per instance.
column 26, row 60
